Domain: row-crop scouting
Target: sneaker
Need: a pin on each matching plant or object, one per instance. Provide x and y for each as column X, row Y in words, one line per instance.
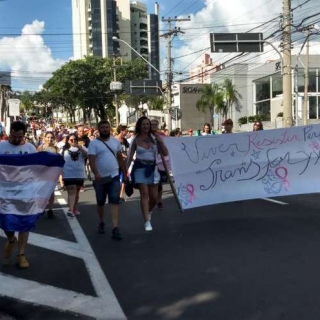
column 22, row 261
column 8, row 251
column 122, row 200
column 82, row 189
column 160, row 205
column 70, row 214
column 50, row 214
column 116, row 235
column 148, row 226
column 101, row 228
column 76, row 212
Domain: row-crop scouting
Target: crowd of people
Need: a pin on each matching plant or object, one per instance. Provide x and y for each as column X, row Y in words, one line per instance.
column 112, row 159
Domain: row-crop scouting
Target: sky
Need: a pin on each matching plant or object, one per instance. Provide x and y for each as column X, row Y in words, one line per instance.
column 36, row 35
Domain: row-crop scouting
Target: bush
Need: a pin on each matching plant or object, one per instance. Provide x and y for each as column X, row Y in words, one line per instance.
column 252, row 119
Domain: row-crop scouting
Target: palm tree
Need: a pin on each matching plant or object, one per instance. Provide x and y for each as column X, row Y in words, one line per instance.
column 231, row 96
column 209, row 98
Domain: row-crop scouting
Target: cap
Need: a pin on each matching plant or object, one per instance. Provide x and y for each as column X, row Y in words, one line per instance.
column 131, row 129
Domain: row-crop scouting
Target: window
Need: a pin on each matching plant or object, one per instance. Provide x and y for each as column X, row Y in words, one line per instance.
column 312, row 81
column 312, row 107
column 263, row 107
column 276, row 85
column 263, row 89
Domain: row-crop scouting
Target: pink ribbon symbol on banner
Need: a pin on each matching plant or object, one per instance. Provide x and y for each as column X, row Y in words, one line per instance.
column 190, row 189
column 283, row 176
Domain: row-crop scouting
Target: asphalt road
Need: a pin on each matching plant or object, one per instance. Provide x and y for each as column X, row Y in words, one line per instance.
column 249, row 260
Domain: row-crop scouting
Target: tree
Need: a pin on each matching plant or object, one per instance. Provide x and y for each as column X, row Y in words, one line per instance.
column 231, row 96
column 86, row 83
column 211, row 95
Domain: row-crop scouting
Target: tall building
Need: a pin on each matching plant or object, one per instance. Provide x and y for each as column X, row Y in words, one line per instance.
column 202, row 72
column 95, row 22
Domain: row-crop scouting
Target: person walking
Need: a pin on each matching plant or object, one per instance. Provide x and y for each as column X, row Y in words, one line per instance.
column 49, row 146
column 258, row 126
column 122, row 132
column 83, row 140
column 163, row 177
column 16, row 145
column 105, row 159
column 206, row 129
column 144, row 172
column 228, row 126
column 73, row 171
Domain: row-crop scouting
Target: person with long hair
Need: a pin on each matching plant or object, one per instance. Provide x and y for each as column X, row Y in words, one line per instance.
column 73, row 171
column 49, row 146
column 206, row 129
column 258, row 126
column 144, row 172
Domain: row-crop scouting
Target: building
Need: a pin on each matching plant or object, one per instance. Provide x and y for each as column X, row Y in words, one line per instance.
column 202, row 72
column 184, row 114
column 261, row 90
column 96, row 22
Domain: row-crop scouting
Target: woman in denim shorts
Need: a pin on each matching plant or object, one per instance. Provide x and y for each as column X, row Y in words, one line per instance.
column 144, row 172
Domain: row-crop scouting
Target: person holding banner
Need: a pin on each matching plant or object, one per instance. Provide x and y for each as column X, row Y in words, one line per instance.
column 257, row 126
column 163, row 178
column 228, row 126
column 144, row 172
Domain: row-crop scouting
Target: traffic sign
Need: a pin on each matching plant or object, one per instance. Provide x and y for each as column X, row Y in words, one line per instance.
column 236, row 42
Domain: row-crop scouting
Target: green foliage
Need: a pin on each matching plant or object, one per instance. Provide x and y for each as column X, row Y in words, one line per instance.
column 219, row 98
column 252, row 119
column 85, row 83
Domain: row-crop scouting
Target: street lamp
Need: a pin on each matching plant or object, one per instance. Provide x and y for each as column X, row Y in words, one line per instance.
column 120, row 40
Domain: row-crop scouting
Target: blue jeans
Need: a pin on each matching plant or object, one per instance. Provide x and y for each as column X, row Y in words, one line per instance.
column 110, row 189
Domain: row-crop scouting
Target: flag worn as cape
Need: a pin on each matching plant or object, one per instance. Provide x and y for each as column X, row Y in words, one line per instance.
column 26, row 184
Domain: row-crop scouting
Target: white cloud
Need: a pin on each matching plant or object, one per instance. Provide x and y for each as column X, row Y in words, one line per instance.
column 237, row 16
column 28, row 57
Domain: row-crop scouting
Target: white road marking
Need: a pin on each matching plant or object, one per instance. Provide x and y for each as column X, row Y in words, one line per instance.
column 275, row 201
column 61, row 201
column 104, row 306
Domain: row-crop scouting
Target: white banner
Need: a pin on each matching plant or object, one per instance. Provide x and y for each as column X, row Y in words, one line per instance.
column 14, row 107
column 228, row 167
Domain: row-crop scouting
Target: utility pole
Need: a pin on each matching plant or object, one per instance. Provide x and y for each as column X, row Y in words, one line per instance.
column 306, row 76
column 286, row 78
column 116, row 86
column 169, row 36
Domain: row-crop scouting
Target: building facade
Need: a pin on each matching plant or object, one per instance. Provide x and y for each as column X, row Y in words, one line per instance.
column 202, row 72
column 261, row 90
column 96, row 22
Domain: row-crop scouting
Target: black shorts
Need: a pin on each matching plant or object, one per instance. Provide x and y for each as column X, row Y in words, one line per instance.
column 72, row 182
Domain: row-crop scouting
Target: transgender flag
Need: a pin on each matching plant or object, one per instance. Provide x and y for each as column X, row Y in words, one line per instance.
column 26, row 184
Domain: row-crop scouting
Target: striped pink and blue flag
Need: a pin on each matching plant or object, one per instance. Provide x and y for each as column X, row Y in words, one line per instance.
column 26, row 184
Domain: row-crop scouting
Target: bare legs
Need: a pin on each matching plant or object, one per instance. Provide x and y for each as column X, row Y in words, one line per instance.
column 148, row 199
column 72, row 195
column 22, row 240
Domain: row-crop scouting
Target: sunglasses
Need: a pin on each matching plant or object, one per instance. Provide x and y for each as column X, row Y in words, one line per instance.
column 73, row 139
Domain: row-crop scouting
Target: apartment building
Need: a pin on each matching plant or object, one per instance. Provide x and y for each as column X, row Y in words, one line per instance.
column 96, row 22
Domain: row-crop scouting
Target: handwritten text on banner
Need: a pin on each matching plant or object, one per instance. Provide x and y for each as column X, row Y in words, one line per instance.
column 221, row 168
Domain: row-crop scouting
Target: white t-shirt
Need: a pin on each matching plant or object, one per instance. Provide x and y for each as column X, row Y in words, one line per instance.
column 7, row 148
column 106, row 162
column 74, row 167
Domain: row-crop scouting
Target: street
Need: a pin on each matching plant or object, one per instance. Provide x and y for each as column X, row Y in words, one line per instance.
column 246, row 260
